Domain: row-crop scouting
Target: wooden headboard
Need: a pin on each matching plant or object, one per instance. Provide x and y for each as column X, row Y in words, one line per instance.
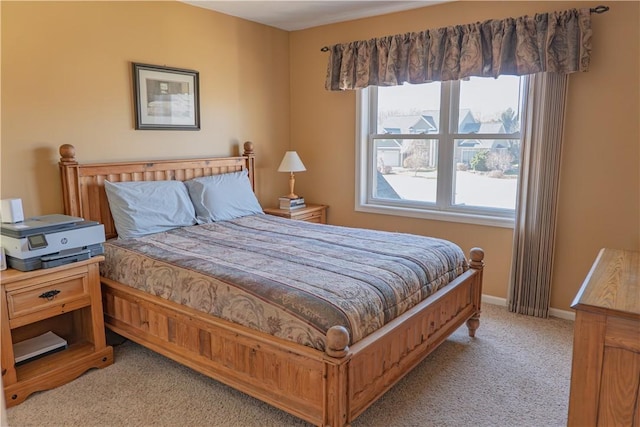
column 83, row 184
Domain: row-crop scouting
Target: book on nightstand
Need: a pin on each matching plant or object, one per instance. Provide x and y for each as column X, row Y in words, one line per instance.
column 38, row 346
column 292, row 208
column 287, row 203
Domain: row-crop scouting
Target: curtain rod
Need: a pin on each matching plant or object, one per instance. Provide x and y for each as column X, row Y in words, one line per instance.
column 597, row 9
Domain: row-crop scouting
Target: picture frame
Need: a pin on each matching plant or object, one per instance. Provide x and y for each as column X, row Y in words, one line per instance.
column 165, row 98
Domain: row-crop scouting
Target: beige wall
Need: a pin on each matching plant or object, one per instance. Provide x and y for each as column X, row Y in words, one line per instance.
column 66, row 79
column 600, row 187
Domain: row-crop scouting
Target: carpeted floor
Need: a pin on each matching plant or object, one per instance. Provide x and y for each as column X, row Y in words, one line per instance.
column 515, row 372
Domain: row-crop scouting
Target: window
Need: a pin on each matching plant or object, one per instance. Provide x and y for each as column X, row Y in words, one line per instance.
column 447, row 150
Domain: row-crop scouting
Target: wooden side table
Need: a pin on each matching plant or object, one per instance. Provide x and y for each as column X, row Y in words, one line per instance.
column 310, row 213
column 65, row 300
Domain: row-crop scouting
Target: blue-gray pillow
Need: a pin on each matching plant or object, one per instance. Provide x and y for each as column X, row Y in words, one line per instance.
column 223, row 197
column 146, row 207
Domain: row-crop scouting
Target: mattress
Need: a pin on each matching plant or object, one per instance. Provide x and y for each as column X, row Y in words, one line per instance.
column 290, row 279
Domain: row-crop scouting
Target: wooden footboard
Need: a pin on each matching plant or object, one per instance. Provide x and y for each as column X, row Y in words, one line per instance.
column 384, row 357
column 273, row 370
column 323, row 389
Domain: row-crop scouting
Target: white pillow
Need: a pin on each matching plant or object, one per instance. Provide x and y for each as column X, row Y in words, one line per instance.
column 223, row 197
column 146, row 207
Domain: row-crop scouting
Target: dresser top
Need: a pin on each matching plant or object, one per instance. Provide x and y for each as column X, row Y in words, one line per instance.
column 613, row 284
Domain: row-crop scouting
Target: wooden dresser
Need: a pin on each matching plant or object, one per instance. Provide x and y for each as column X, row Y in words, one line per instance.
column 605, row 374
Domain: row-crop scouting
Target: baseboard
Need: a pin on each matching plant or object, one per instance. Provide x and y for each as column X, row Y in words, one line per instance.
column 562, row 314
column 555, row 312
column 488, row 299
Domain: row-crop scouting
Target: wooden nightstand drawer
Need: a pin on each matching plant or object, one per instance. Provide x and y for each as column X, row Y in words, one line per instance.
column 310, row 213
column 24, row 301
column 316, row 216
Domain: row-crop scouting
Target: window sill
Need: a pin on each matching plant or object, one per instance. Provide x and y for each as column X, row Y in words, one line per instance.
column 492, row 221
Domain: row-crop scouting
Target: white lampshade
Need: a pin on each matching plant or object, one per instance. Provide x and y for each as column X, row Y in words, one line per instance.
column 291, row 163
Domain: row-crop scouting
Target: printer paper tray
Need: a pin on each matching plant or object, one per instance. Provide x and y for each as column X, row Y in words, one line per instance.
column 55, row 260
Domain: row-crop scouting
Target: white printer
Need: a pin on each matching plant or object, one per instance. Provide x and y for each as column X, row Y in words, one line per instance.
column 50, row 240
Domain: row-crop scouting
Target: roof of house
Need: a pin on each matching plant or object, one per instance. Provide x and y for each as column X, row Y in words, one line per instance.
column 427, row 121
column 388, row 143
column 407, row 124
column 483, row 143
column 483, row 128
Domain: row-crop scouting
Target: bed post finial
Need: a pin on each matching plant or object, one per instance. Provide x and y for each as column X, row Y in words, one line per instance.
column 477, row 257
column 337, row 341
column 248, row 149
column 67, row 154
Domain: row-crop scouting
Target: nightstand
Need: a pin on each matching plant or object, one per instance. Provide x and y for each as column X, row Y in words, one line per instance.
column 310, row 213
column 65, row 300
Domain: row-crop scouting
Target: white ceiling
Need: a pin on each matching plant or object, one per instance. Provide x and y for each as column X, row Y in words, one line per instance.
column 293, row 15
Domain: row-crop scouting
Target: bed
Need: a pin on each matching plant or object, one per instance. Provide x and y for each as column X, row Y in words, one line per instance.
column 328, row 378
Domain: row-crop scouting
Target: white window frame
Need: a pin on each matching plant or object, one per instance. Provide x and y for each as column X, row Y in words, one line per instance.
column 443, row 209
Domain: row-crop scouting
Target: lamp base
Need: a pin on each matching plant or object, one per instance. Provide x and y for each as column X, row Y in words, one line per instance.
column 292, row 183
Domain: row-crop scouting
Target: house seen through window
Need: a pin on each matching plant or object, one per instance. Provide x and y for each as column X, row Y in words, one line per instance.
column 451, row 149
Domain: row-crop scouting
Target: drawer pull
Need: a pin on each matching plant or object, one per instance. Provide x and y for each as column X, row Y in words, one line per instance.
column 50, row 295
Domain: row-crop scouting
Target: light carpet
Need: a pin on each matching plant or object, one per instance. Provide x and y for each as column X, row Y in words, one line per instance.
column 516, row 372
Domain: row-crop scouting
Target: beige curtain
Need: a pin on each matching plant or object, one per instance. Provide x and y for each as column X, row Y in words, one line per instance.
column 535, row 225
column 556, row 42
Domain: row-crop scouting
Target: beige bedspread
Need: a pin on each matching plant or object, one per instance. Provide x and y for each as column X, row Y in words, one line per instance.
column 291, row 279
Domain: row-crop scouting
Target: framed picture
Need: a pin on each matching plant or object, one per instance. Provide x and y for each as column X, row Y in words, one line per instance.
column 165, row 98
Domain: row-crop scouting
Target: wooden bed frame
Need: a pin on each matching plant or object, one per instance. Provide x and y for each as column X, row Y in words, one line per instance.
column 328, row 388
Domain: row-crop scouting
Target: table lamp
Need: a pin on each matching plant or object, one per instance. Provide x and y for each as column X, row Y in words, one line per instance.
column 291, row 163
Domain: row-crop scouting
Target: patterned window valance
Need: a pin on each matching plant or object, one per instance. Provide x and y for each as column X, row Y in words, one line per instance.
column 557, row 42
